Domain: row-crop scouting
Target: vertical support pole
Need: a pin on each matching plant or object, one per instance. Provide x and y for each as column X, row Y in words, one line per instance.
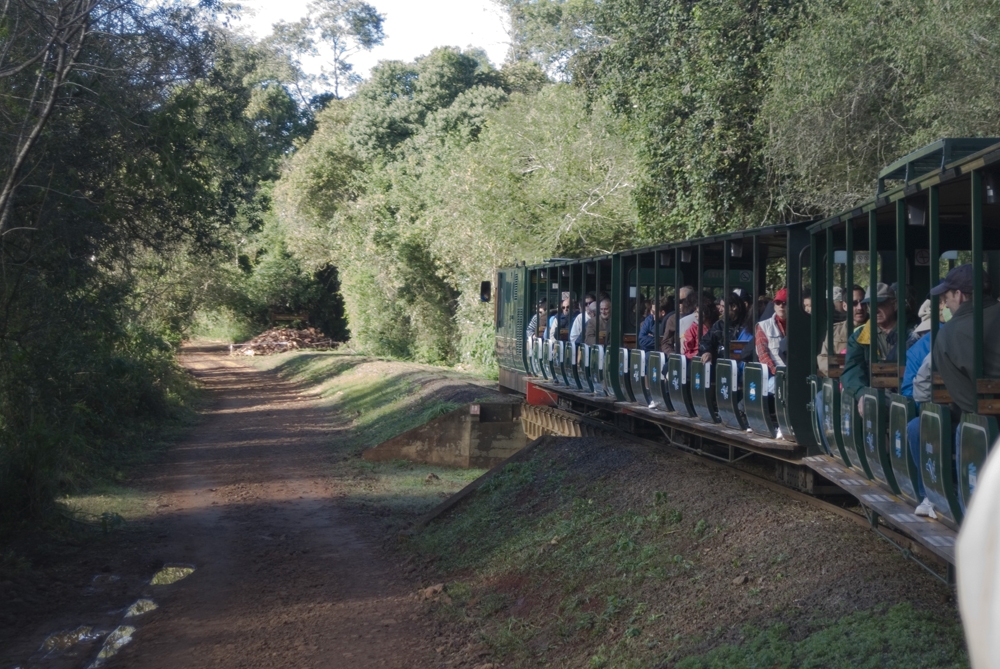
column 849, row 270
column 656, row 300
column 830, row 262
column 901, row 283
column 756, row 285
column 933, row 232
column 677, row 296
column 977, row 273
column 873, row 290
column 701, row 286
column 638, row 297
column 726, row 292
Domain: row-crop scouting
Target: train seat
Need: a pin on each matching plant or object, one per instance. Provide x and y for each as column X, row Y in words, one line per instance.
column 583, row 364
column 677, row 386
column 597, row 370
column 782, row 406
column 976, row 435
column 937, row 455
column 727, row 394
column 874, row 434
column 901, row 411
column 852, row 432
column 832, row 421
column 886, row 375
column 624, row 375
column 570, row 364
column 755, row 393
column 656, row 381
column 702, row 393
column 637, row 374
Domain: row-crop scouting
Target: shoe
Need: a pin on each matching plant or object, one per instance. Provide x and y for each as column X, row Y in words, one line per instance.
column 778, row 435
column 925, row 509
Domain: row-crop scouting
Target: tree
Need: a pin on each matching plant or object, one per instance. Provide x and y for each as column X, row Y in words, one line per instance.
column 345, row 26
column 43, row 40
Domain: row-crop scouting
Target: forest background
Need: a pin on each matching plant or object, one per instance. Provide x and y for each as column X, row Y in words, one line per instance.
column 165, row 175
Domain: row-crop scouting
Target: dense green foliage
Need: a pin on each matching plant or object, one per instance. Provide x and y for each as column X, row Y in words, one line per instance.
column 131, row 190
column 164, row 176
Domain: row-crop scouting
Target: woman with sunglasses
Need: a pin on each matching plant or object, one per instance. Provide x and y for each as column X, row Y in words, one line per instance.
column 770, row 334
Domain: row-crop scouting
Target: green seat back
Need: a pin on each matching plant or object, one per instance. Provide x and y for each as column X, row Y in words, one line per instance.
column 852, row 432
column 815, row 392
column 702, row 393
column 625, row 375
column 727, row 394
column 572, row 354
column 755, row 399
column 781, row 409
column 874, row 430
column 678, row 386
column 832, row 421
column 901, row 411
column 637, row 373
column 976, row 435
column 543, row 363
column 936, row 457
column 554, row 359
column 583, row 363
column 656, row 380
column 597, row 369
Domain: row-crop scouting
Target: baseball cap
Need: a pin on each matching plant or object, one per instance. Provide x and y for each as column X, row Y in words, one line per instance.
column 781, row 295
column 960, row 278
column 838, row 294
column 883, row 293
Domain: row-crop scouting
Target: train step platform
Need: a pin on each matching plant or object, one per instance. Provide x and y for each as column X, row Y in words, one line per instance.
column 882, row 506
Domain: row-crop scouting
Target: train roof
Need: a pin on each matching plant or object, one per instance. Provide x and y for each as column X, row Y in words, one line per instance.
column 938, row 162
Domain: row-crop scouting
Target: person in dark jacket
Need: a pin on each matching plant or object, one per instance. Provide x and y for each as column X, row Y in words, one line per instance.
column 953, row 346
column 648, row 335
column 713, row 344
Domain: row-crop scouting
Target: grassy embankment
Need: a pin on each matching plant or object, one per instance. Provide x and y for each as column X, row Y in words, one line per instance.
column 597, row 554
column 374, row 400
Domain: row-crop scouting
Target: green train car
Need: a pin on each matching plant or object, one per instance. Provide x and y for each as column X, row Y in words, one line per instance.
column 934, row 209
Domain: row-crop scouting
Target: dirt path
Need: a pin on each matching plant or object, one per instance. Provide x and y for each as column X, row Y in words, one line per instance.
column 281, row 579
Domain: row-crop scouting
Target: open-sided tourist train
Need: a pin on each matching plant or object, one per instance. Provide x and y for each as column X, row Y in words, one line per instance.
column 934, row 209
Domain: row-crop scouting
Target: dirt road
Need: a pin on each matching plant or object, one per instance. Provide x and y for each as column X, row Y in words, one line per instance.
column 281, row 578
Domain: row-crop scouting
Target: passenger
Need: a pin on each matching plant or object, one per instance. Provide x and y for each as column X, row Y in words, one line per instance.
column 559, row 321
column 647, row 331
column 541, row 312
column 707, row 316
column 855, row 376
column 713, row 344
column 577, row 331
column 599, row 329
column 840, row 309
column 841, row 331
column 953, row 347
column 670, row 325
column 666, row 310
column 917, row 358
column 769, row 335
column 692, row 315
column 807, row 303
column 590, row 333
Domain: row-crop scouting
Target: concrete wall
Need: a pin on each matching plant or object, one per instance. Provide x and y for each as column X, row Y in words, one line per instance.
column 478, row 435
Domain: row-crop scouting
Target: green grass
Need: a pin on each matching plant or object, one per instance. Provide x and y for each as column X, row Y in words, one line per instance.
column 881, row 639
column 602, row 577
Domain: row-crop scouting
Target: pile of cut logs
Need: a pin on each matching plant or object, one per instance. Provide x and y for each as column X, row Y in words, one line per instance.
column 279, row 340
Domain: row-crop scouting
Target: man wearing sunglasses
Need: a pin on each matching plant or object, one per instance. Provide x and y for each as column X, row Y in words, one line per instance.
column 843, row 329
column 859, row 344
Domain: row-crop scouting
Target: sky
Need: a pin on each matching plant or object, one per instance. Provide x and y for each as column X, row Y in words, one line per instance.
column 412, row 27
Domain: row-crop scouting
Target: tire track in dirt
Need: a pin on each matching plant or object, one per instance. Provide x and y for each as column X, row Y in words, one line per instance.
column 282, row 579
